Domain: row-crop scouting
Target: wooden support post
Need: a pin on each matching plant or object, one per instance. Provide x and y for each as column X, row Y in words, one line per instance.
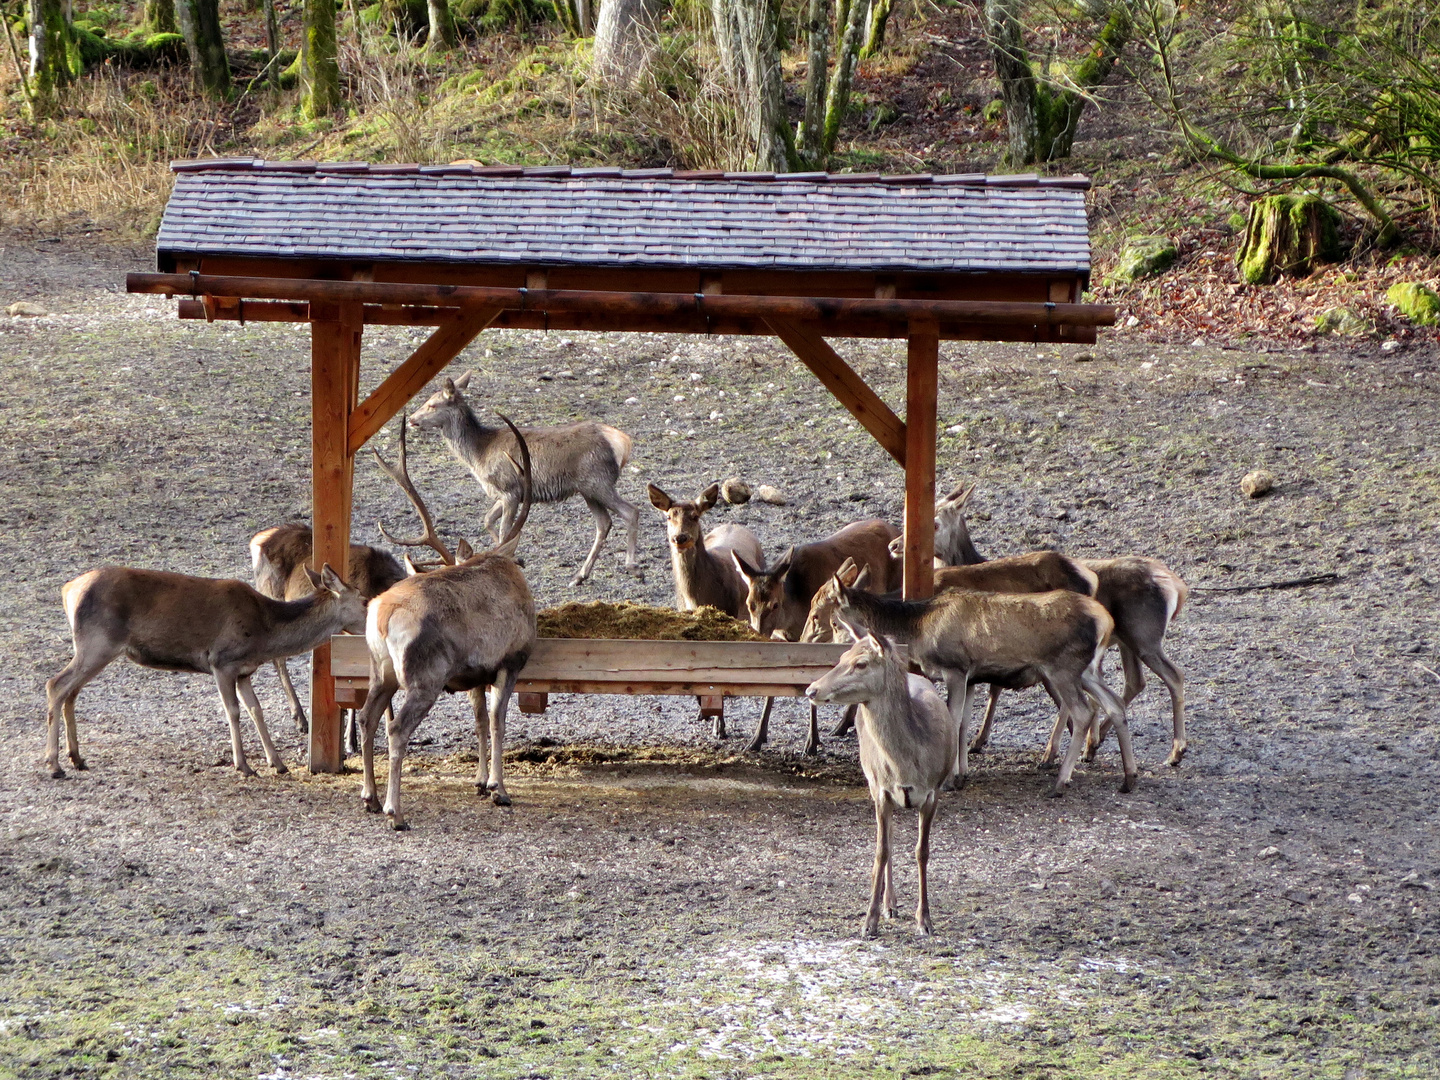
column 922, row 381
column 335, row 332
column 533, row 703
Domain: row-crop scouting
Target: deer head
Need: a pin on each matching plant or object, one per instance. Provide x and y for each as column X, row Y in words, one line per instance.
column 682, row 519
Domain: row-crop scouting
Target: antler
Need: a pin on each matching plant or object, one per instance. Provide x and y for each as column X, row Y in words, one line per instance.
column 507, row 546
column 401, row 476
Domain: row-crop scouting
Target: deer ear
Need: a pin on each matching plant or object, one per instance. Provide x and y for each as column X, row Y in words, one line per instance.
column 411, row 570
column 781, row 568
column 448, row 389
column 331, row 580
column 856, row 632
column 463, row 550
column 316, row 582
column 708, row 497
column 747, row 571
column 659, row 499
column 862, row 578
column 463, row 382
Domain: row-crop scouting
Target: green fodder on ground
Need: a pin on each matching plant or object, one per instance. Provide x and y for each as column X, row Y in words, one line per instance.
column 637, row 622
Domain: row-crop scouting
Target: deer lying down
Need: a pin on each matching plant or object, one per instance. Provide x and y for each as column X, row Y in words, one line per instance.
column 907, row 749
column 778, row 598
column 466, row 626
column 280, row 556
column 1011, row 640
column 1143, row 596
column 179, row 623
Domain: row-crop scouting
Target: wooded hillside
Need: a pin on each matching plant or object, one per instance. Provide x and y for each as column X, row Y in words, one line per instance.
column 1288, row 146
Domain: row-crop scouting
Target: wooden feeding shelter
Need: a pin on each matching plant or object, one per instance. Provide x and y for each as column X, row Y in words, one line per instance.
column 804, row 257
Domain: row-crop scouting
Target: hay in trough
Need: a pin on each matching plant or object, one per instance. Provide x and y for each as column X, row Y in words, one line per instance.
column 623, row 619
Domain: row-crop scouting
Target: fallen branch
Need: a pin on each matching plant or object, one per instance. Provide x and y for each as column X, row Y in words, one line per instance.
column 1293, row 583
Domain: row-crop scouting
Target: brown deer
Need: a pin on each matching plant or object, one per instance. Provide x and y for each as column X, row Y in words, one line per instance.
column 582, row 459
column 1013, row 640
column 701, row 562
column 908, row 747
column 468, row 625
column 778, row 598
column 280, row 556
column 175, row 622
column 1143, row 596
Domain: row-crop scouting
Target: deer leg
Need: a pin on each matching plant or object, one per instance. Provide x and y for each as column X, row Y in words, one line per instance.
column 252, row 704
column 602, row 530
column 1115, row 709
column 368, row 721
column 1159, row 663
column 60, row 694
column 497, row 508
column 1071, row 710
column 418, row 703
column 509, row 507
column 631, row 517
column 847, row 721
column 882, row 862
column 297, row 711
column 960, row 690
column 812, row 740
column 499, row 702
column 983, row 735
column 226, row 682
column 762, row 729
column 922, row 862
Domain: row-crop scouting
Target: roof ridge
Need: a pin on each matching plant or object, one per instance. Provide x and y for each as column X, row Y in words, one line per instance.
column 568, row 172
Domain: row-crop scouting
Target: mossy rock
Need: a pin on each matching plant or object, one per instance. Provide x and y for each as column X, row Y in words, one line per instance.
column 1287, row 235
column 94, row 49
column 1417, row 303
column 1343, row 320
column 1145, row 256
column 144, row 49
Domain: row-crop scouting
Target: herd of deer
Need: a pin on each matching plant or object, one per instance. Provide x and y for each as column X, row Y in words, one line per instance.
column 467, row 622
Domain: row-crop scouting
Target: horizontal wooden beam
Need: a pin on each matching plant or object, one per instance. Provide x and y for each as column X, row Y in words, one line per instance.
column 845, row 384
column 390, row 315
column 651, row 304
column 406, row 381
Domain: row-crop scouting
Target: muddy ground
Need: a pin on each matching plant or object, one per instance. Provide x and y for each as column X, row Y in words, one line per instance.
column 660, row 903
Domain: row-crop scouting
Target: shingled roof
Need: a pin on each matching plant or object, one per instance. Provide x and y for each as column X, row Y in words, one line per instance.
column 655, row 218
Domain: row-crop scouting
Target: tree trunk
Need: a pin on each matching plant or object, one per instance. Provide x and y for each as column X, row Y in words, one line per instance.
column 1042, row 119
column 52, row 48
column 272, row 44
column 838, row 100
column 443, row 34
column 160, row 17
column 811, row 136
column 875, row 33
column 200, row 25
column 1287, row 235
column 746, row 37
column 319, row 66
column 622, row 40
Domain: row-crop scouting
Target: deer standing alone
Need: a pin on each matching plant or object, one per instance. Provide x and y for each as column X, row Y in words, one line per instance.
column 175, row 622
column 701, row 563
column 582, row 459
column 468, row 625
column 908, row 747
column 778, row 598
column 280, row 556
column 1143, row 596
column 1013, row 640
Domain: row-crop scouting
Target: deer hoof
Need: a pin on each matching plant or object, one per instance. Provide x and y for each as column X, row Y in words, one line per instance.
column 1058, row 790
column 499, row 798
column 924, row 927
column 280, row 769
column 872, row 928
column 1176, row 756
column 754, row 746
column 1128, row 784
column 245, row 770
column 56, row 772
column 78, row 762
column 372, row 804
column 399, row 824
column 576, row 580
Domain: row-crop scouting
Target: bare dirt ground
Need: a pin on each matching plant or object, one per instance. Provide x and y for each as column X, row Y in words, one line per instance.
column 660, row 903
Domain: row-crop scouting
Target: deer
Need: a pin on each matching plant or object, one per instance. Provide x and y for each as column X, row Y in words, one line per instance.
column 1037, row 572
column 778, row 598
column 279, row 556
column 1013, row 640
column 582, row 459
column 1143, row 596
column 701, row 563
column 468, row 624
column 908, row 747
column 175, row 622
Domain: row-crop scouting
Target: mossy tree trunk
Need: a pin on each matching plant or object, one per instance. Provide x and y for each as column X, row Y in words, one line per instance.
column 319, row 63
column 747, row 38
column 443, row 34
column 875, row 31
column 205, row 42
column 54, row 58
column 272, row 44
column 159, row 17
column 810, row 139
column 1287, row 235
column 1041, row 117
column 576, row 16
column 842, row 79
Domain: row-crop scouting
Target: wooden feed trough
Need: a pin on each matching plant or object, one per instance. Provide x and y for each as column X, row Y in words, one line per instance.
column 802, row 257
